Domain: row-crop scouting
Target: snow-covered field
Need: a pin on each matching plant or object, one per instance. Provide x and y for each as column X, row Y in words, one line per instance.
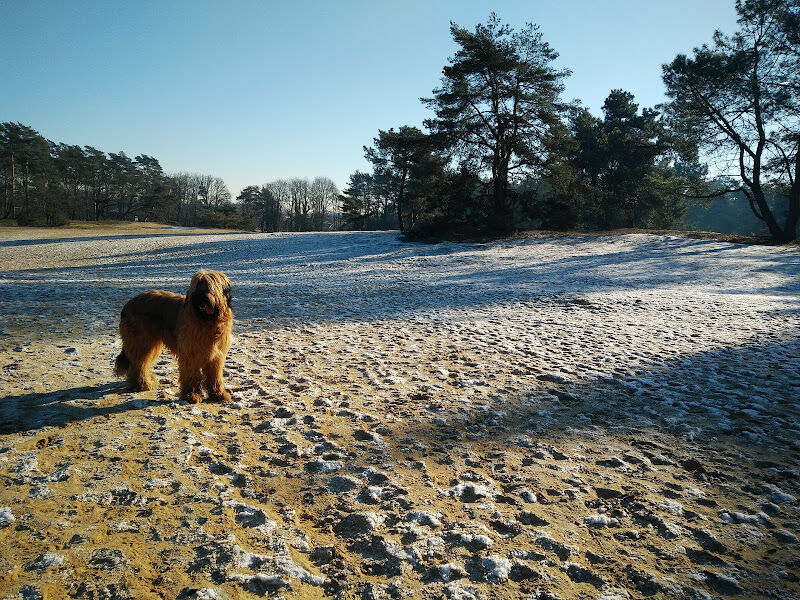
column 542, row 417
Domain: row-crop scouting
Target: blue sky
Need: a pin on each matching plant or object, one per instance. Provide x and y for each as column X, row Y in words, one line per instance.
column 252, row 91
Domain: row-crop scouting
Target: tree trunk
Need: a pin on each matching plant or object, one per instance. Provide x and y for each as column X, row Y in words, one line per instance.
column 793, row 215
column 775, row 230
column 765, row 213
column 500, row 190
column 400, row 201
column 13, row 184
column 499, row 198
column 25, row 186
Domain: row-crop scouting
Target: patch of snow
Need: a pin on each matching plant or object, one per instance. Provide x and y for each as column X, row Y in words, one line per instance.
column 496, row 567
column 601, row 521
column 471, row 492
column 779, row 497
column 6, row 516
column 450, row 571
column 425, row 517
column 324, row 466
column 671, row 506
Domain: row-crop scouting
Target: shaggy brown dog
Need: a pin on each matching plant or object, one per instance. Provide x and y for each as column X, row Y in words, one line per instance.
column 196, row 328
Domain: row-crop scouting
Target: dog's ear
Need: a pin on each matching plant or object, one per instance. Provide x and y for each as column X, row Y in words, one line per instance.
column 226, row 291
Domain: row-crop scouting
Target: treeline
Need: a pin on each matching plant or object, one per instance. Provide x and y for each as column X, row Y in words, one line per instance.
column 292, row 205
column 502, row 150
column 48, row 183
column 729, row 213
column 593, row 173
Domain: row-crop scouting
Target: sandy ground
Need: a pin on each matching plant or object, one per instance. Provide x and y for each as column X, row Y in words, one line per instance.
column 539, row 418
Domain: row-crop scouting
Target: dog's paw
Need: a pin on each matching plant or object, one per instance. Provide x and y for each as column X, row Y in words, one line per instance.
column 148, row 384
column 223, row 396
column 142, row 385
column 193, row 398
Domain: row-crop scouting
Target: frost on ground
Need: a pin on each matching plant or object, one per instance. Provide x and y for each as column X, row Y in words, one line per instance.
column 543, row 417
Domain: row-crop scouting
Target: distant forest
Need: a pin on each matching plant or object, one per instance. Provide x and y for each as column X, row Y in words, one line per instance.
column 501, row 151
column 47, row 183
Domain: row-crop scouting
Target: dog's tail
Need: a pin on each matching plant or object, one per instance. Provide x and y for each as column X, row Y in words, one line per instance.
column 122, row 364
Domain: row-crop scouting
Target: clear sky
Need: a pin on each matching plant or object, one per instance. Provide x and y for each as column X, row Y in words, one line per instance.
column 252, row 91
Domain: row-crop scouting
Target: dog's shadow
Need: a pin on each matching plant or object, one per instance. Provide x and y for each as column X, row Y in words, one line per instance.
column 26, row 412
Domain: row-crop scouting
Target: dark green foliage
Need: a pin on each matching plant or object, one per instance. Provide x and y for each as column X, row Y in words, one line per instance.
column 614, row 172
column 556, row 201
column 260, row 207
column 498, row 100
column 227, row 216
column 39, row 218
column 739, row 101
column 403, row 163
column 410, row 178
column 495, row 110
column 628, row 147
column 621, row 158
column 360, row 202
column 47, row 184
column 520, row 163
column 556, row 214
column 26, row 172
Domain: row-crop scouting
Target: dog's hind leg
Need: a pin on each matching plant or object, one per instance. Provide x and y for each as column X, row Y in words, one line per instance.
column 122, row 364
column 141, row 358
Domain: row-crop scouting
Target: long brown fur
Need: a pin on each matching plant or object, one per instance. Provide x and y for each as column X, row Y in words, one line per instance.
column 196, row 328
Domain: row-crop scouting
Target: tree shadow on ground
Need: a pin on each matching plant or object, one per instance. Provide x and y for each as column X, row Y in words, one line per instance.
column 719, row 442
column 92, row 238
column 689, row 451
column 330, row 277
column 26, row 412
column 745, row 397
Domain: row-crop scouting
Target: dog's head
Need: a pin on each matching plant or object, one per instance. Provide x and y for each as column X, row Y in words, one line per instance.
column 210, row 296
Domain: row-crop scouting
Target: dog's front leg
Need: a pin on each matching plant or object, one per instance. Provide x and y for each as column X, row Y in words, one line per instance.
column 190, row 381
column 214, row 382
